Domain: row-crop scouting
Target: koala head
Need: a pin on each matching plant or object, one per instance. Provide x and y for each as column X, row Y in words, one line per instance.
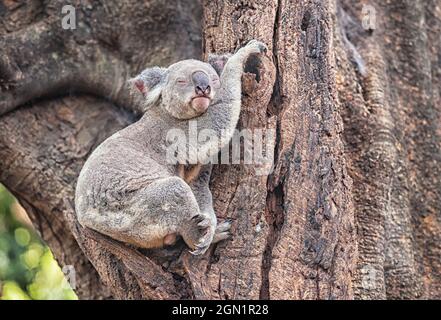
column 184, row 89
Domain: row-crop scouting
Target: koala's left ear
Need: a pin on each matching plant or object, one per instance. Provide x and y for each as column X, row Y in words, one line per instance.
column 148, row 80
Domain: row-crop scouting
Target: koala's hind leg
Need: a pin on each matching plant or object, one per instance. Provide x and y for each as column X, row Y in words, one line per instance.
column 168, row 207
column 155, row 217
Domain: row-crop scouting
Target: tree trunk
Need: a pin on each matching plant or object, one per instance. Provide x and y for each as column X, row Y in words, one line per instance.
column 352, row 208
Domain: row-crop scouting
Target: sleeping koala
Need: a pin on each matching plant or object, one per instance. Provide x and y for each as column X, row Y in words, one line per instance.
column 129, row 191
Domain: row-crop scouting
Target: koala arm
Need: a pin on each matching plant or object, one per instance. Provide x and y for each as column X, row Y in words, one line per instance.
column 223, row 114
column 200, row 188
column 202, row 193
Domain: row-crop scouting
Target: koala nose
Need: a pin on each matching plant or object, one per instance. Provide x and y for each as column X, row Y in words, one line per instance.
column 200, row 90
column 201, row 83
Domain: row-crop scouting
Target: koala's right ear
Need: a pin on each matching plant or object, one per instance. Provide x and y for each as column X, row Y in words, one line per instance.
column 148, row 80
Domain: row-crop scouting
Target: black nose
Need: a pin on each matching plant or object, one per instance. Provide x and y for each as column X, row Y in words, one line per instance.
column 202, row 90
column 201, row 83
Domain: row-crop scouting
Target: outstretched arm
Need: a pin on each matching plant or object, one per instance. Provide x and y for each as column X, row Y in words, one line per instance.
column 223, row 114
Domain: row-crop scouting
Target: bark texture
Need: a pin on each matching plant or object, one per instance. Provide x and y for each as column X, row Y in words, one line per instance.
column 352, row 208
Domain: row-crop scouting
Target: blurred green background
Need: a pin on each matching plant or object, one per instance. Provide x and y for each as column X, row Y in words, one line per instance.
column 27, row 267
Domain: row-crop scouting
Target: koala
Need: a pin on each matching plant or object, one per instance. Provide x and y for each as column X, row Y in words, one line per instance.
column 129, row 191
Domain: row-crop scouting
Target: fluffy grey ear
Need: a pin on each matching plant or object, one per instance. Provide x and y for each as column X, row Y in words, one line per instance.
column 148, row 80
column 218, row 61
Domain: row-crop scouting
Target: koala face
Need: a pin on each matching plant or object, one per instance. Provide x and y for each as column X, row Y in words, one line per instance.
column 189, row 88
column 185, row 89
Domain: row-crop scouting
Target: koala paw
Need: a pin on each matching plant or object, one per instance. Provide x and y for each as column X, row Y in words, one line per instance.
column 255, row 46
column 223, row 231
column 203, row 233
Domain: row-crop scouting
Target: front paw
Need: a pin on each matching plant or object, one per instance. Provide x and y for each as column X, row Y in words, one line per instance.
column 255, row 46
column 223, row 231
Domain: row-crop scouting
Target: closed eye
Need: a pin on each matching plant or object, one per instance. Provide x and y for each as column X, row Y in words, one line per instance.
column 181, row 81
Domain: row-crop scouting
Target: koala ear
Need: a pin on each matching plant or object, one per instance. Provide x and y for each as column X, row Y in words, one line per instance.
column 218, row 61
column 148, row 80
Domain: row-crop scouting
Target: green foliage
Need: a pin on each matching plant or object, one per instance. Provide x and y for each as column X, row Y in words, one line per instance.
column 27, row 268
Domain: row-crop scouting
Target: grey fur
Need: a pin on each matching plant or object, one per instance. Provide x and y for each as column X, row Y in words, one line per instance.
column 128, row 191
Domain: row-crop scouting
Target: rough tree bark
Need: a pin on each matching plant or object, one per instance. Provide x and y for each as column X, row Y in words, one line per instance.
column 353, row 206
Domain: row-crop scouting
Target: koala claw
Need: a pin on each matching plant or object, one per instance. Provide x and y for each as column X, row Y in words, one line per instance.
column 222, row 236
column 257, row 46
column 199, row 250
column 202, row 222
column 224, row 225
column 202, row 246
column 223, row 231
column 204, row 236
